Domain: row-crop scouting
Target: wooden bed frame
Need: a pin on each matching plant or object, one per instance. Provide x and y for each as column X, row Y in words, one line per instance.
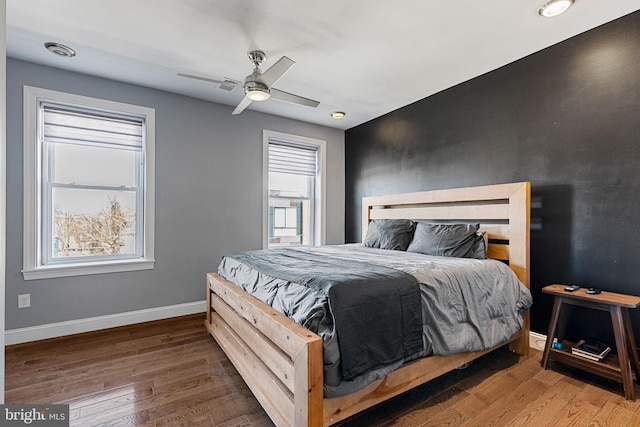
column 281, row 361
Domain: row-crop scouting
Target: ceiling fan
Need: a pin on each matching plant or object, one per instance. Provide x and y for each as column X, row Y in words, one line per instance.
column 258, row 86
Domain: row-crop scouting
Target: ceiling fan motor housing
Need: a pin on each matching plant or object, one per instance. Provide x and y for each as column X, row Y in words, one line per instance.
column 255, row 89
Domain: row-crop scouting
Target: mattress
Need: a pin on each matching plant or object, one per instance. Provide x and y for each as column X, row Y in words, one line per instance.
column 466, row 304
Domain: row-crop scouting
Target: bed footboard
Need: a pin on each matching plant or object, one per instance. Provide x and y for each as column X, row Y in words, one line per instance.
column 280, row 361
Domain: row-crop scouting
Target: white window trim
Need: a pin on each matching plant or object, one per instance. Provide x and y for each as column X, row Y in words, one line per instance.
column 320, row 208
column 32, row 268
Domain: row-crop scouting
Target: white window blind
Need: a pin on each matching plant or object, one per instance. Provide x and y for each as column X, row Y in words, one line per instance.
column 75, row 127
column 292, row 159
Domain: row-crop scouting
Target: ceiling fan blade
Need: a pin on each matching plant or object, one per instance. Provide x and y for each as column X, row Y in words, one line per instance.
column 294, row 99
column 244, row 103
column 226, row 83
column 276, row 71
column 206, row 79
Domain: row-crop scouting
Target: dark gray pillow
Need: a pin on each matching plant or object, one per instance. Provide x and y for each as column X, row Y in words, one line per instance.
column 394, row 234
column 452, row 240
column 479, row 249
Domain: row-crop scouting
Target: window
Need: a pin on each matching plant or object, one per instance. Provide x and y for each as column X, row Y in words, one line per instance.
column 294, row 190
column 89, row 169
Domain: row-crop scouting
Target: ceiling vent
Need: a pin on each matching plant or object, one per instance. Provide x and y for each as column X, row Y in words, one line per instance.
column 60, row 49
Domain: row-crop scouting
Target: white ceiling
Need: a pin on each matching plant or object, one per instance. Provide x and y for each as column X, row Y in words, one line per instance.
column 364, row 57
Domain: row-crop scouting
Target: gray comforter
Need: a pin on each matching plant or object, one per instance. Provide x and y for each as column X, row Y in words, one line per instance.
column 466, row 304
column 375, row 310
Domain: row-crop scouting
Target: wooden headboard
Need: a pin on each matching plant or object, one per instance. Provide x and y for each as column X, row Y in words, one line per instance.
column 502, row 210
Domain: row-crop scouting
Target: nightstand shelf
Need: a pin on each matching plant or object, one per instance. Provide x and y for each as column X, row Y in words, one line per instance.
column 609, row 367
column 618, row 368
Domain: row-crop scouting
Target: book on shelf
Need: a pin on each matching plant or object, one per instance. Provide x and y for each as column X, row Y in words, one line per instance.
column 586, row 355
column 593, row 351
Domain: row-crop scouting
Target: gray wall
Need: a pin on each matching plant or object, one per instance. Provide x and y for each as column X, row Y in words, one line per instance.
column 568, row 120
column 208, row 198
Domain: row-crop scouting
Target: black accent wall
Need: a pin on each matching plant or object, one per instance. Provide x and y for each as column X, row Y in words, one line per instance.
column 567, row 119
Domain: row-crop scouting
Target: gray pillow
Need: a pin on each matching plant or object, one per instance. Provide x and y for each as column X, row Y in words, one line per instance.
column 452, row 240
column 394, row 234
column 480, row 245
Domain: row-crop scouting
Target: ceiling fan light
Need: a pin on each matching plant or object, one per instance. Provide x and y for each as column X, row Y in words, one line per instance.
column 554, row 8
column 257, row 94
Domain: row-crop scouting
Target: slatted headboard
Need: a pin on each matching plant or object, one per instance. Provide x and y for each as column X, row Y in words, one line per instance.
column 502, row 210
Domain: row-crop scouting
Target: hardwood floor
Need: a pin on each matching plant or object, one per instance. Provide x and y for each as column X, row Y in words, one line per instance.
column 172, row 373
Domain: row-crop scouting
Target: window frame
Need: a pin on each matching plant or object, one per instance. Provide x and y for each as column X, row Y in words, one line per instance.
column 319, row 203
column 34, row 197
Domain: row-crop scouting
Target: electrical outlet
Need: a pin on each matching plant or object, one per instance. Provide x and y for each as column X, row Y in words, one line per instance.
column 24, row 301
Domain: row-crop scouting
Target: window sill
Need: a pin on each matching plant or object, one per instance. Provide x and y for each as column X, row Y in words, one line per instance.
column 49, row 272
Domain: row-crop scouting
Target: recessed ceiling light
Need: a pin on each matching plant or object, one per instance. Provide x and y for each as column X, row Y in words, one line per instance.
column 554, row 8
column 338, row 114
column 60, row 49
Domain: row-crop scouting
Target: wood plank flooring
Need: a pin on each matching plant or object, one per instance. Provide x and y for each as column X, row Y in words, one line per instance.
column 172, row 373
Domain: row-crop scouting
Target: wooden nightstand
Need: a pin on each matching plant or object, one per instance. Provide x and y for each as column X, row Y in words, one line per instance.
column 617, row 305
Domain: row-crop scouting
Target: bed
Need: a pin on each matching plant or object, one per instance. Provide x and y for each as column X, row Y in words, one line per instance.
column 282, row 362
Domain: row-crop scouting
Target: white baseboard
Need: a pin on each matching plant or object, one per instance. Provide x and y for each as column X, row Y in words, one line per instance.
column 537, row 340
column 54, row 330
